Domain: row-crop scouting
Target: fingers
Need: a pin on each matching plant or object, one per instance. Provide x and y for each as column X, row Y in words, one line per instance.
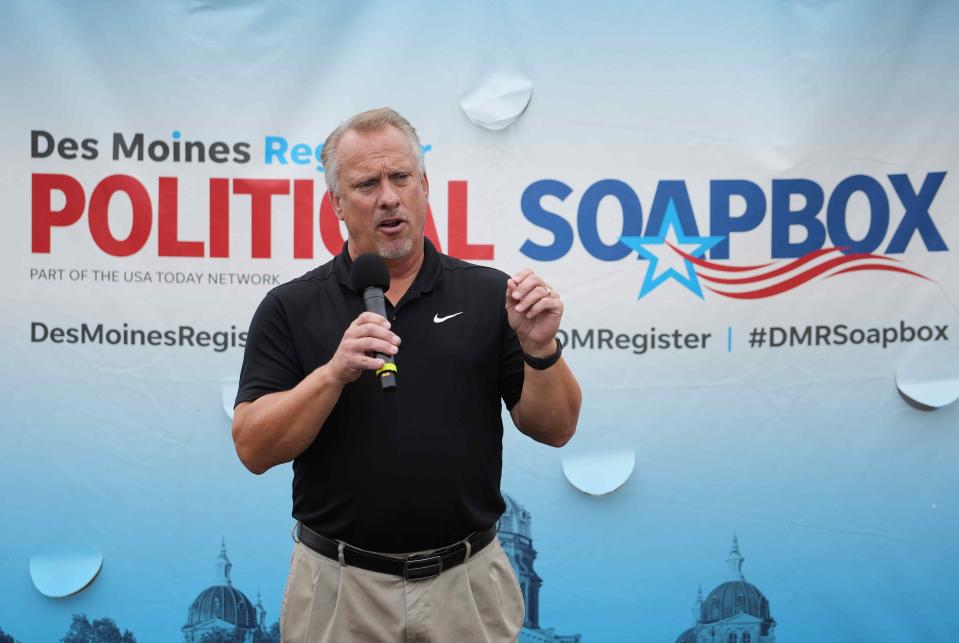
column 522, row 282
column 551, row 304
column 357, row 346
column 535, row 295
column 367, row 363
column 370, row 330
column 350, row 364
column 367, row 335
column 520, row 276
column 522, row 297
column 371, row 325
column 525, row 288
column 369, row 338
column 371, row 318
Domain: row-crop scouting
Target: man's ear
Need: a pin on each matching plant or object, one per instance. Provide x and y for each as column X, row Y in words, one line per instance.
column 337, row 206
column 426, row 186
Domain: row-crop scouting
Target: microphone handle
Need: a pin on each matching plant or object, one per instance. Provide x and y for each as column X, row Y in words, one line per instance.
column 375, row 302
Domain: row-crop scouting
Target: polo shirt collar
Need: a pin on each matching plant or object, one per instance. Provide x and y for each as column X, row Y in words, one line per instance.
column 430, row 274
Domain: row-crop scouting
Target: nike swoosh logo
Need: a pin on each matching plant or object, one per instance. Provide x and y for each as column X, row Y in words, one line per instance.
column 439, row 320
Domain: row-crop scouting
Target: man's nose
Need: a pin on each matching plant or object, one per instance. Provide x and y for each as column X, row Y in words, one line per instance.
column 389, row 197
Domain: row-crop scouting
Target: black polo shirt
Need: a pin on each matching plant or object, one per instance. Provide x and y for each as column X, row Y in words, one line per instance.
column 417, row 468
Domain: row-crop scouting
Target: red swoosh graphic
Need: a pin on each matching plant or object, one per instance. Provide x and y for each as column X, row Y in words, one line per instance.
column 806, row 258
column 775, row 273
column 796, row 280
column 806, row 276
column 725, row 268
column 869, row 266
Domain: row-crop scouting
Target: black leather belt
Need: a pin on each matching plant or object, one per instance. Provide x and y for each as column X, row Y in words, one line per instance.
column 412, row 567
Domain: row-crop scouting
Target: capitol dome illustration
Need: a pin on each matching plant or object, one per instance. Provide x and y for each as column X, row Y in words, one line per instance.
column 734, row 612
column 516, row 538
column 224, row 607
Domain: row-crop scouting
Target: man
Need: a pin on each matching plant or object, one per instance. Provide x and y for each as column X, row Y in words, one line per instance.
column 397, row 494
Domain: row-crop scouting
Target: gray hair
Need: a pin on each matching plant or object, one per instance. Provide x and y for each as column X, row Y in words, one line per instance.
column 369, row 121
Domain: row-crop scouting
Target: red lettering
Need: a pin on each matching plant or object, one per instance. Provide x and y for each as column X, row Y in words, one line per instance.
column 168, row 223
column 43, row 216
column 261, row 193
column 99, row 217
column 219, row 217
column 330, row 226
column 457, row 228
column 303, row 219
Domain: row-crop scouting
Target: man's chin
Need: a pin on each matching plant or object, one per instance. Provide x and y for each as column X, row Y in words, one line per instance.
column 395, row 250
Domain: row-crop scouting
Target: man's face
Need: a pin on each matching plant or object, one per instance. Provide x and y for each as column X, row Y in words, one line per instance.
column 383, row 194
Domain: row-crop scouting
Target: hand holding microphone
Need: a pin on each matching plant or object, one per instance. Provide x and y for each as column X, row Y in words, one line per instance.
column 368, row 344
column 364, row 347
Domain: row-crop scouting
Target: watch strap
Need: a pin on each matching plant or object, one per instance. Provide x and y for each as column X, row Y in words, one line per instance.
column 542, row 363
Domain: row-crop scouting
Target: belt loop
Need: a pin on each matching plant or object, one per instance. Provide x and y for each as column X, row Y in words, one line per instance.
column 339, row 553
column 469, row 548
column 295, row 532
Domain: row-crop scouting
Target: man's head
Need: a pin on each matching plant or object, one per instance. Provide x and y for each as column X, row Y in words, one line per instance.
column 375, row 174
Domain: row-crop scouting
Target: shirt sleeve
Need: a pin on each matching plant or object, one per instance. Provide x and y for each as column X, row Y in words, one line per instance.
column 511, row 365
column 270, row 363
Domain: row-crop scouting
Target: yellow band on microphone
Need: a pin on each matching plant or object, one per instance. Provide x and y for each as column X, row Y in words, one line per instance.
column 388, row 366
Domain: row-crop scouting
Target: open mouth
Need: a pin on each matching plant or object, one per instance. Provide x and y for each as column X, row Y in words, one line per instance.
column 390, row 225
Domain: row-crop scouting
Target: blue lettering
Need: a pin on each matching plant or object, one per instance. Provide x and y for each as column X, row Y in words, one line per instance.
column 675, row 191
column 917, row 218
column 721, row 224
column 587, row 218
column 836, row 214
column 275, row 149
column 535, row 214
column 805, row 217
column 301, row 154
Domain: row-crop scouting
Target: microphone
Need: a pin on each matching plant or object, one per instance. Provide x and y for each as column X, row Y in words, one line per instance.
column 371, row 277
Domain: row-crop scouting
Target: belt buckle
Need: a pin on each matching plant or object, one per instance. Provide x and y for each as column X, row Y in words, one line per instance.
column 422, row 568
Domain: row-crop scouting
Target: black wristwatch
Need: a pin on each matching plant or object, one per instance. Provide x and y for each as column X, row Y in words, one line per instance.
column 542, row 363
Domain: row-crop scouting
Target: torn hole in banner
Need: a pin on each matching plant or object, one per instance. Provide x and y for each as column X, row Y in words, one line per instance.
column 59, row 576
column 498, row 100
column 229, row 397
column 601, row 472
column 929, row 379
column 927, row 395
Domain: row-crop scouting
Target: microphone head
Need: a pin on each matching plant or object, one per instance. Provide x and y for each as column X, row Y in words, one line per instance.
column 370, row 271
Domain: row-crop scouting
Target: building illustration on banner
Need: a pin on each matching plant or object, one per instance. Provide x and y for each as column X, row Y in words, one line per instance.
column 223, row 609
column 734, row 612
column 516, row 538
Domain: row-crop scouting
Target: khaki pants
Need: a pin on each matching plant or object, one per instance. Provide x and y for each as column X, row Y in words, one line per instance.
column 324, row 602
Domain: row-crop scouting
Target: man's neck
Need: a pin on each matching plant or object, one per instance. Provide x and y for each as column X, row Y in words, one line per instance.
column 403, row 271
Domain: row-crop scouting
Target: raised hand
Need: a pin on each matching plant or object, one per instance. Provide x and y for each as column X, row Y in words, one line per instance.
column 534, row 310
